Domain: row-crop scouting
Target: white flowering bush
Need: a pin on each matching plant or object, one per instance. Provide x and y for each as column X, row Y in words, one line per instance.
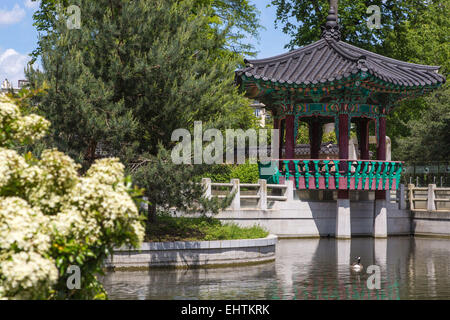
column 51, row 217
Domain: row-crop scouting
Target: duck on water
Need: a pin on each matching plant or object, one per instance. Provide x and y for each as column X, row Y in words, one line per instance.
column 357, row 266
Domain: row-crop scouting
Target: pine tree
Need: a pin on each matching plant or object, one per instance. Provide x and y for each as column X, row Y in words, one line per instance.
column 133, row 73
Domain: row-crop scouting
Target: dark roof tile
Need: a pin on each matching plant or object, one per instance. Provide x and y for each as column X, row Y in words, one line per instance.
column 329, row 59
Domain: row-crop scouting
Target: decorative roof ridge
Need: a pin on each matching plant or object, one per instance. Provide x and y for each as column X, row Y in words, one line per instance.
column 388, row 59
column 343, row 52
column 287, row 55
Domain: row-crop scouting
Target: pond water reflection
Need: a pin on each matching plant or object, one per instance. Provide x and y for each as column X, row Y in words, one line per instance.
column 411, row 268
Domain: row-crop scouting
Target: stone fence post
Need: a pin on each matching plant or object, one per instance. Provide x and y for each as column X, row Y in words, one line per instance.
column 236, row 204
column 411, row 196
column 289, row 193
column 401, row 197
column 206, row 182
column 262, row 192
column 431, row 204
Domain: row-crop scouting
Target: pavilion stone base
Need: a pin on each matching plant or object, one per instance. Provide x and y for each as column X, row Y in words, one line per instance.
column 343, row 222
column 380, row 219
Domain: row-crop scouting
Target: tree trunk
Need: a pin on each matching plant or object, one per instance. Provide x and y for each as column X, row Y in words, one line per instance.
column 151, row 213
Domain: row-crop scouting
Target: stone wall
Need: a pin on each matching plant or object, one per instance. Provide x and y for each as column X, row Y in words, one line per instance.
column 427, row 223
column 303, row 219
column 194, row 254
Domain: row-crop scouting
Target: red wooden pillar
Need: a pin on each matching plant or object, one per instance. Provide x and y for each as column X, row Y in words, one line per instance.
column 364, row 138
column 315, row 138
column 282, row 156
column 343, row 149
column 381, row 152
column 290, row 138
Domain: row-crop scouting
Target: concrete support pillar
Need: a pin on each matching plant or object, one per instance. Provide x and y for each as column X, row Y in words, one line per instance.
column 236, row 204
column 431, row 203
column 380, row 218
column 206, row 182
column 401, row 197
column 262, row 202
column 343, row 223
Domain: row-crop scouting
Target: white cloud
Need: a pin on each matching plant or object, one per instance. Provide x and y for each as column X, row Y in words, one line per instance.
column 12, row 65
column 12, row 16
column 31, row 4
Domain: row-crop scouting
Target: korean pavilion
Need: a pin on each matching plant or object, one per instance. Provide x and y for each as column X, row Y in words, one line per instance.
column 331, row 81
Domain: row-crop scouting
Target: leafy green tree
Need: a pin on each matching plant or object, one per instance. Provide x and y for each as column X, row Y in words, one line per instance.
column 302, row 20
column 429, row 138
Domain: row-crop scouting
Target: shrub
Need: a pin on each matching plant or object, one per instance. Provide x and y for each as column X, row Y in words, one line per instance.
column 246, row 173
column 51, row 217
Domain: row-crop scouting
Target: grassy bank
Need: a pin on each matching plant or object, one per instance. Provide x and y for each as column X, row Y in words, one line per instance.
column 169, row 228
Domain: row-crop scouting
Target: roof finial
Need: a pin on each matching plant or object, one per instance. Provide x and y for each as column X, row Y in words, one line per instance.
column 332, row 28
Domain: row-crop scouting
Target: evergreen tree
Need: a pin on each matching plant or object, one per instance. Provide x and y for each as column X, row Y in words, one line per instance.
column 133, row 73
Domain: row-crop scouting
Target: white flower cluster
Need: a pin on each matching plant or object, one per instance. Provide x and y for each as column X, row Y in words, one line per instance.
column 25, row 272
column 15, row 126
column 45, row 203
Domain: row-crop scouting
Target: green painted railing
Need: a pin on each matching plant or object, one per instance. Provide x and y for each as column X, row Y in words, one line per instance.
column 329, row 174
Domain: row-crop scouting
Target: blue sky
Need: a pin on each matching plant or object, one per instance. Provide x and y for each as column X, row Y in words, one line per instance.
column 18, row 36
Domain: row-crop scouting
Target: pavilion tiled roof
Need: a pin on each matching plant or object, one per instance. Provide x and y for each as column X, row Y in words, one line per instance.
column 331, row 59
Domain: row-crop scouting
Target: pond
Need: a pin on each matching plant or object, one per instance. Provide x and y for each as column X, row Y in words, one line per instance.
column 410, row 268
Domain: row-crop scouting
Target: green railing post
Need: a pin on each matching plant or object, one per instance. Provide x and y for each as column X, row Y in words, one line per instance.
column 307, row 174
column 364, row 174
column 349, row 173
column 317, row 173
column 327, row 173
column 391, row 174
column 286, row 166
column 398, row 175
column 378, row 175
column 357, row 174
column 337, row 175
column 371, row 172
column 385, row 174
column 297, row 173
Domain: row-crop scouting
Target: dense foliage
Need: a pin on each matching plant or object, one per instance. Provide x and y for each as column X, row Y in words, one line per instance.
column 52, row 218
column 429, row 139
column 246, row 173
